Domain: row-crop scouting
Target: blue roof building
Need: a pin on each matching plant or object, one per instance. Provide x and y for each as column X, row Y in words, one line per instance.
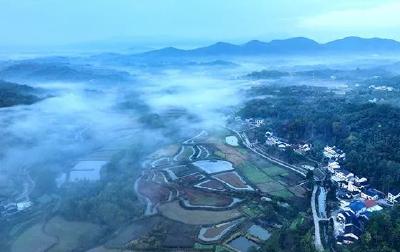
column 357, row 207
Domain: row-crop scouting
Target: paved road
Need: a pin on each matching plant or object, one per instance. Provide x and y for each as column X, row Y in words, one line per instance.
column 317, row 240
column 322, row 203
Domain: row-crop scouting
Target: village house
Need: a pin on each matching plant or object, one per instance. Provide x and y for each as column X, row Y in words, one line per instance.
column 357, row 207
column 332, row 166
column 329, row 152
column 352, row 227
column 343, row 193
column 283, row 145
column 352, row 187
column 23, row 205
column 259, row 122
column 343, row 174
column 372, row 206
column 344, row 216
column 333, row 153
column 271, row 141
column 303, row 148
column 393, row 196
column 370, row 194
column 344, row 240
column 352, row 231
column 308, row 167
column 274, row 141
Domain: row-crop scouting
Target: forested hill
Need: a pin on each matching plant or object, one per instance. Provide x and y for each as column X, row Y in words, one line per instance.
column 369, row 133
column 12, row 94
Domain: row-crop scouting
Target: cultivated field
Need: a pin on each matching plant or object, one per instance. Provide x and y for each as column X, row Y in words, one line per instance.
column 233, row 180
column 211, row 184
column 217, row 232
column 174, row 211
column 211, row 199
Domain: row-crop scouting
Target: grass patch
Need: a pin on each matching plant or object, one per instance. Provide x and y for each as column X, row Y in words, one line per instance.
column 199, row 246
column 221, row 248
column 251, row 211
column 273, row 170
column 282, row 193
column 296, row 222
column 254, row 174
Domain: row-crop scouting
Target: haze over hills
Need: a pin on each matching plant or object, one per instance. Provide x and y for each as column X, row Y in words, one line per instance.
column 56, row 71
column 299, row 45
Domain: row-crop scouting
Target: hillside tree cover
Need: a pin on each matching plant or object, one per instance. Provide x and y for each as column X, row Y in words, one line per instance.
column 369, row 133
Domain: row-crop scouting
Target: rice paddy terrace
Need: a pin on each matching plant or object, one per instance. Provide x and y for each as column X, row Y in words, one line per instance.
column 222, row 197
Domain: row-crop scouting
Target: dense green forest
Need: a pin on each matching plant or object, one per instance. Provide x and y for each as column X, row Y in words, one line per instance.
column 112, row 201
column 298, row 236
column 12, row 94
column 369, row 133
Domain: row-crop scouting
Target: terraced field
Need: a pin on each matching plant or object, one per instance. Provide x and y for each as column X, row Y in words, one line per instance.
column 174, row 211
column 233, row 180
column 197, row 198
column 217, row 232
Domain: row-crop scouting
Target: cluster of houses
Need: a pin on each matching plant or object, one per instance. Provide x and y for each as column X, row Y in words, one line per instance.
column 352, row 219
column 255, row 122
column 303, row 148
column 272, row 140
column 357, row 198
column 333, row 153
column 8, row 209
column 381, row 88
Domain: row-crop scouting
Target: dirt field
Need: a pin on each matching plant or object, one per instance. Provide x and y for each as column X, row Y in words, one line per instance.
column 174, row 211
column 201, row 198
column 213, row 185
column 154, row 192
column 232, row 179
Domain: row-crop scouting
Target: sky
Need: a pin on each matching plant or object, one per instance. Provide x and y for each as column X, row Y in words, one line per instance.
column 191, row 22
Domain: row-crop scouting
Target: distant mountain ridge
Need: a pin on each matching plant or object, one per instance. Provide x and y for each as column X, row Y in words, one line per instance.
column 298, row 45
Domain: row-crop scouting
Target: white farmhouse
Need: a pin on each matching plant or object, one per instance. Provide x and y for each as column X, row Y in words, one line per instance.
column 393, row 197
